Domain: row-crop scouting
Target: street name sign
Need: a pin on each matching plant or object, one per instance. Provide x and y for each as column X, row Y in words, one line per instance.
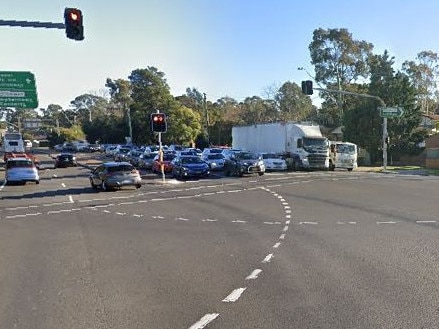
column 18, row 89
column 391, row 112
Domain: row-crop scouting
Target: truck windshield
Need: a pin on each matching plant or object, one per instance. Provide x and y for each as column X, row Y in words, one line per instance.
column 315, row 144
column 346, row 148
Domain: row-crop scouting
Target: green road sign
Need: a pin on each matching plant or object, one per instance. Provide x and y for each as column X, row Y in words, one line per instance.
column 18, row 89
column 391, row 112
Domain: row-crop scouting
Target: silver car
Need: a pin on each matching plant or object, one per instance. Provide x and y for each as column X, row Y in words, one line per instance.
column 21, row 170
column 111, row 175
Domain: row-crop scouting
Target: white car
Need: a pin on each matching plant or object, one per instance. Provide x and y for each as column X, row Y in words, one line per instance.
column 273, row 162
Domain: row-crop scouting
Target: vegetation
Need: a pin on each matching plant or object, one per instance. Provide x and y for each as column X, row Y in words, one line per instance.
column 340, row 63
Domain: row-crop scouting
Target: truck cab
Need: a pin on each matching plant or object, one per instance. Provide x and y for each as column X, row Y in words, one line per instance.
column 343, row 155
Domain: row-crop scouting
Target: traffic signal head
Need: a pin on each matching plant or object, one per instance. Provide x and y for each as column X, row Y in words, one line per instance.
column 73, row 23
column 307, row 87
column 158, row 122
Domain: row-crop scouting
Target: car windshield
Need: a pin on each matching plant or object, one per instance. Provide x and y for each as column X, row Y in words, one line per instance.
column 247, row 156
column 215, row 156
column 19, row 164
column 191, row 160
column 269, row 156
column 120, row 168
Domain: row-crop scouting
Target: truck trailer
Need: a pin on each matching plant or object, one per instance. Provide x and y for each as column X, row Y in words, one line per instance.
column 301, row 144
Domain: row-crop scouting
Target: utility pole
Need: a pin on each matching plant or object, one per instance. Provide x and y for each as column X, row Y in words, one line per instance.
column 206, row 118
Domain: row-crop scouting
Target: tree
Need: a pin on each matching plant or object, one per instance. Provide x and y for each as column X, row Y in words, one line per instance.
column 338, row 61
column 184, row 125
column 424, row 74
column 291, row 103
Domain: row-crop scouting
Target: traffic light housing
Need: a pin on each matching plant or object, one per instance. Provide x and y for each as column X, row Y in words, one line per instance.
column 158, row 122
column 73, row 23
column 307, row 87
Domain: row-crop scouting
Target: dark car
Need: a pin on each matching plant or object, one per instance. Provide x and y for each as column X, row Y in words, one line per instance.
column 241, row 163
column 112, row 175
column 65, row 160
column 189, row 166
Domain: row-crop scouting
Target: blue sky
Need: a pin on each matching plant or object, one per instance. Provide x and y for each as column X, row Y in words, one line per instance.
column 235, row 48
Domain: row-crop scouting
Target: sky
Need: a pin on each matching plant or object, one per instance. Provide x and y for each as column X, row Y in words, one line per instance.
column 235, row 48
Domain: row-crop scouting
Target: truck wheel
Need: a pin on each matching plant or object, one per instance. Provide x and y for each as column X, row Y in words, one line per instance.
column 331, row 167
column 350, row 169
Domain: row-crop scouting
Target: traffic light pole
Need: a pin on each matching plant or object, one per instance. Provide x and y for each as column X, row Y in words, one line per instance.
column 385, row 133
column 45, row 25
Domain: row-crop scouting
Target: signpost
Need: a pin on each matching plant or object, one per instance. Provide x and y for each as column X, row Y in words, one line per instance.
column 391, row 112
column 385, row 113
column 18, row 89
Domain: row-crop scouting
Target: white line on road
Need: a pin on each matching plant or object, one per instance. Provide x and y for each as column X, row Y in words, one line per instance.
column 234, row 191
column 204, row 321
column 19, row 216
column 209, row 193
column 58, row 211
column 426, row 221
column 254, row 275
column 285, row 229
column 137, row 215
column 389, row 222
column 287, row 207
column 285, row 203
column 71, row 199
column 282, row 237
column 126, row 203
column 276, row 245
column 209, row 220
column 288, row 211
column 183, row 219
column 308, row 223
column 234, row 295
column 239, row 221
column 352, row 223
column 287, row 216
column 267, row 258
column 106, row 211
column 121, row 213
column 287, row 222
column 63, row 184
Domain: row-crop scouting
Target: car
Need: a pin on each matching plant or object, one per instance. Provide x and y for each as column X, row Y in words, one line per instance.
column 215, row 161
column 27, row 143
column 65, row 160
column 167, row 163
column 112, row 175
column 241, row 163
column 146, row 160
column 21, row 170
column 273, row 161
column 186, row 166
column 121, row 154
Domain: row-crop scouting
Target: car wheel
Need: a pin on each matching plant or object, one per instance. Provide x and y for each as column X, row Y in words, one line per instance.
column 93, row 185
column 227, row 172
column 350, row 169
column 260, row 173
column 37, row 182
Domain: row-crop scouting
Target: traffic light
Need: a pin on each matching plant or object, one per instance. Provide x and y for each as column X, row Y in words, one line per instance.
column 73, row 23
column 307, row 87
column 158, row 122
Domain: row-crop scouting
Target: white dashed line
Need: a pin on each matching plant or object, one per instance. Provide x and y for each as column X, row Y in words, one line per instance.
column 209, row 220
column 234, row 295
column 25, row 215
column 183, row 219
column 308, row 223
column 137, row 215
column 204, row 321
column 254, row 275
column 267, row 258
column 239, row 221
column 121, row 213
column 71, row 199
column 389, row 222
column 282, row 237
column 63, row 184
column 425, row 221
column 127, row 203
column 285, row 229
column 276, row 245
column 287, row 222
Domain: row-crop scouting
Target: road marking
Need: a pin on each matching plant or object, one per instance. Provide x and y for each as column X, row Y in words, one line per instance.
column 234, row 191
column 282, row 237
column 239, row 221
column 308, row 223
column 389, row 222
column 285, row 203
column 287, row 222
column 204, row 321
column 288, row 211
column 58, row 211
column 71, row 199
column 234, row 295
column 183, row 219
column 287, row 207
column 352, row 223
column 63, row 184
column 19, row 216
column 276, row 245
column 121, row 213
column 287, row 216
column 209, row 193
column 157, row 217
column 3, row 185
column 137, row 215
column 126, row 203
column 425, row 221
column 254, row 275
column 209, row 220
column 106, row 211
column 272, row 223
column 267, row 258
column 285, row 229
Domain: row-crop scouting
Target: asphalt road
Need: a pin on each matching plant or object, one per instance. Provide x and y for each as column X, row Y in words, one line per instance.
column 285, row 250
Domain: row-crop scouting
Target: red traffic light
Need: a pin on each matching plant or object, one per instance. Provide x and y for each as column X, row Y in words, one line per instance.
column 158, row 122
column 73, row 24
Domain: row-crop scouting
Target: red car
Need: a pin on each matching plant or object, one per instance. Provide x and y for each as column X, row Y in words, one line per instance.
column 167, row 159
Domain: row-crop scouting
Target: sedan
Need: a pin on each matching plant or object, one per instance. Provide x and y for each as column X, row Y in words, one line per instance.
column 273, row 161
column 21, row 170
column 111, row 175
column 189, row 166
column 215, row 161
column 65, row 160
column 167, row 163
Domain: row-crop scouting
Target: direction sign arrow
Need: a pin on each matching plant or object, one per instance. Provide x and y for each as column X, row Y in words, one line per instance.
column 391, row 112
column 18, row 89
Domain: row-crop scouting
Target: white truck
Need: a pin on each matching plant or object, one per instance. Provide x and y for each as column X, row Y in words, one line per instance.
column 301, row 144
column 343, row 155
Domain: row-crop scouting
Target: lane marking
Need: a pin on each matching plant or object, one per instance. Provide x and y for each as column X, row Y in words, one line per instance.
column 20, row 216
column 308, row 223
column 204, row 321
column 267, row 258
column 285, row 229
column 183, row 219
column 425, row 221
column 389, row 222
column 71, row 199
column 276, row 245
column 287, row 222
column 127, row 203
column 209, row 220
column 282, row 237
column 287, row 216
column 137, row 215
column 234, row 295
column 254, row 275
column 239, row 221
column 63, row 184
column 3, row 185
column 352, row 223
column 121, row 213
